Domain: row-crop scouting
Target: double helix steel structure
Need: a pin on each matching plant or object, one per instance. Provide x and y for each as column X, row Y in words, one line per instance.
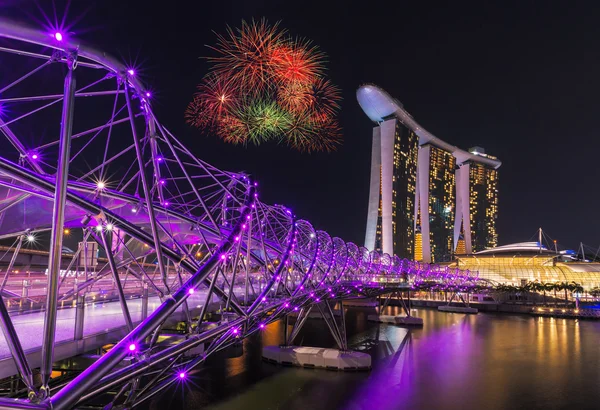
column 83, row 150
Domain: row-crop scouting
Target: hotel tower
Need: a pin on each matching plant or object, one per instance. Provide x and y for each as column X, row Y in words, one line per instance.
column 428, row 200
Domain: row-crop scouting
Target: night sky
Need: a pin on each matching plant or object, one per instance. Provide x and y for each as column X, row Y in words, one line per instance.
column 520, row 80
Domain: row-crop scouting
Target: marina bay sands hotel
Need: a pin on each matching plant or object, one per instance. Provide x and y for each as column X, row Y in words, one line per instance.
column 428, row 199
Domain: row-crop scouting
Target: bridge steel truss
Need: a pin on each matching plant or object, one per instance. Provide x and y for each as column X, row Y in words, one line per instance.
column 82, row 149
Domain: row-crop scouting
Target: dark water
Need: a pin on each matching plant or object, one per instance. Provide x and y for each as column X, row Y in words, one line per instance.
column 456, row 361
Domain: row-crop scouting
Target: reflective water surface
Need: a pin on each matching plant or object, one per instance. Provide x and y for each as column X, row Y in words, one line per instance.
column 456, row 361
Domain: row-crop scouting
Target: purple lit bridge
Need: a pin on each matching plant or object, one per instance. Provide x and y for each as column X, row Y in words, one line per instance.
column 162, row 236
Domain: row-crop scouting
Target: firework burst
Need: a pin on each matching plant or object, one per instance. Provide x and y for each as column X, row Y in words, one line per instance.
column 215, row 99
column 245, row 55
column 297, row 62
column 264, row 120
column 265, row 85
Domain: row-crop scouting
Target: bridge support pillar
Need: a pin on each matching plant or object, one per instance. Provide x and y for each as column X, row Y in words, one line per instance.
column 300, row 320
column 79, row 316
column 144, row 300
column 58, row 220
column 317, row 357
column 407, row 320
column 286, row 323
column 25, row 289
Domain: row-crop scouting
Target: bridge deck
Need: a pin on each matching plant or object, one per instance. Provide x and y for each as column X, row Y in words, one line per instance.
column 103, row 323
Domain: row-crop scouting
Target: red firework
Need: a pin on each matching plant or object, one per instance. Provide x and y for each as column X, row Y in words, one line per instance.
column 213, row 105
column 296, row 62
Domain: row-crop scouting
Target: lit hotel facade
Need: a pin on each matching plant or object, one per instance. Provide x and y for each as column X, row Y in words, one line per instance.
column 427, row 199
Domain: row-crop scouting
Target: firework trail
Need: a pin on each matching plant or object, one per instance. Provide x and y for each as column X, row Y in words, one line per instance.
column 264, row 85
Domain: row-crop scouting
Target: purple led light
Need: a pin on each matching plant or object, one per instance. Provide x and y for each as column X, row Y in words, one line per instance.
column 191, row 291
column 262, row 325
column 182, row 375
column 35, row 156
column 58, row 36
column 296, row 308
column 159, row 159
column 132, row 347
column 235, row 331
column 148, row 94
column 223, row 256
column 131, row 71
column 162, row 181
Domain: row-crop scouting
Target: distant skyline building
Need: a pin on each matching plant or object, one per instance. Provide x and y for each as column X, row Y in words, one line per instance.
column 424, row 188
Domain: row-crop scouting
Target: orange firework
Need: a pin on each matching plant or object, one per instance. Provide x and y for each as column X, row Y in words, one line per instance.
column 295, row 96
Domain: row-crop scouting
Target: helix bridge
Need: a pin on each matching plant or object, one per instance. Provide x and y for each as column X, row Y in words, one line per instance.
column 83, row 152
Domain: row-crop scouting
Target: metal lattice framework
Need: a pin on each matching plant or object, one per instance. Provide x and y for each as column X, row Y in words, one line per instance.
column 83, row 149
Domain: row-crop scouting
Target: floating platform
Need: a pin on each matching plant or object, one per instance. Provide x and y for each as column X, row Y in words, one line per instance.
column 317, row 358
column 396, row 320
column 458, row 309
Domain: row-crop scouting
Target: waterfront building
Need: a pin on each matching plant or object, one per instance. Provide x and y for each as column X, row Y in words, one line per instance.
column 428, row 199
column 528, row 262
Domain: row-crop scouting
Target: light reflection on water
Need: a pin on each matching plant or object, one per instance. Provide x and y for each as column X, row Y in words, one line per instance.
column 455, row 361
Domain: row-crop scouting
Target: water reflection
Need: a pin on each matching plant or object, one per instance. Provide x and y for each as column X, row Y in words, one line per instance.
column 455, row 361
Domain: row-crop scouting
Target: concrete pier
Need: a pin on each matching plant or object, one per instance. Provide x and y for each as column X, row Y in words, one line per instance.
column 396, row 320
column 458, row 309
column 317, row 357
